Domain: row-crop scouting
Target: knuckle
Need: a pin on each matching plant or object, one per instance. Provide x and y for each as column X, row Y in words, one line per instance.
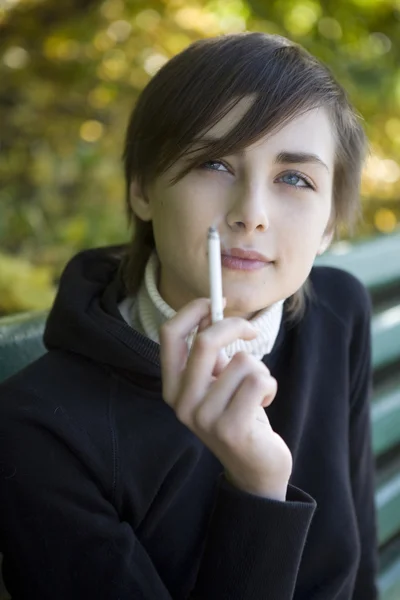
column 242, row 359
column 261, row 367
column 182, row 416
column 203, row 342
column 260, row 383
column 234, row 321
column 256, row 380
column 238, row 321
column 167, row 397
column 165, row 331
column 264, row 368
column 271, row 388
column 226, row 432
column 201, row 420
column 271, row 384
column 182, row 413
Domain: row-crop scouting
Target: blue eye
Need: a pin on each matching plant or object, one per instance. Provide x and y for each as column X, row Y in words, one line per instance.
column 213, row 162
column 293, row 179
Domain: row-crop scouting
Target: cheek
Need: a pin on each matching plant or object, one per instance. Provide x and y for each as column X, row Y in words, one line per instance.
column 177, row 234
column 302, row 233
column 183, row 216
column 167, row 213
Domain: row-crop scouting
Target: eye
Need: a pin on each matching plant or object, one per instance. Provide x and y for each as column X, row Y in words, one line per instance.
column 293, row 179
column 213, row 165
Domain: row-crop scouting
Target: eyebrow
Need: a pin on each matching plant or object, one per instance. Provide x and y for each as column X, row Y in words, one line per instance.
column 282, row 158
column 299, row 157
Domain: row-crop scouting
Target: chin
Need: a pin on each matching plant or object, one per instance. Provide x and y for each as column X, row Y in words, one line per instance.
column 241, row 308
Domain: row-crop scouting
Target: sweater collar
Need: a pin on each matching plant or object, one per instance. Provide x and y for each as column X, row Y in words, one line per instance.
column 150, row 311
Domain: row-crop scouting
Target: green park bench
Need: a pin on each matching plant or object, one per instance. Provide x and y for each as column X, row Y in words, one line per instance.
column 377, row 264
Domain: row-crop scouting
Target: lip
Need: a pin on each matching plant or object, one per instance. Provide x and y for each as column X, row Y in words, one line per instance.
column 250, row 255
column 237, row 259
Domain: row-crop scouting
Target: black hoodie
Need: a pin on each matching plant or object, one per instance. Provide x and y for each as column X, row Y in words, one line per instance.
column 105, row 495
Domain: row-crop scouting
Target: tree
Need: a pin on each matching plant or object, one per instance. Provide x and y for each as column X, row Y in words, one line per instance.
column 71, row 71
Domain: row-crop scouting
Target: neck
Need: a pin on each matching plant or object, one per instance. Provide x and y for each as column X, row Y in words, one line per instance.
column 149, row 310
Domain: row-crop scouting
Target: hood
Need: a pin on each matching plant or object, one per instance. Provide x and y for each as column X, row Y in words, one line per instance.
column 85, row 319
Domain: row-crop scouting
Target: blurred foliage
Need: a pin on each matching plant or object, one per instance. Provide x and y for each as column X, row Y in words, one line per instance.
column 24, row 286
column 71, row 71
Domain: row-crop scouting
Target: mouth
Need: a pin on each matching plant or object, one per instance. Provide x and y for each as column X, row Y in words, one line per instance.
column 246, row 254
column 244, row 260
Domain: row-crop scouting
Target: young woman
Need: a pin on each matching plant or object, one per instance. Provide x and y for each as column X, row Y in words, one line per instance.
column 153, row 455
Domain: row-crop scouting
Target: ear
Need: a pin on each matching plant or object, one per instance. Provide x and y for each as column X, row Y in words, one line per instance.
column 326, row 241
column 139, row 202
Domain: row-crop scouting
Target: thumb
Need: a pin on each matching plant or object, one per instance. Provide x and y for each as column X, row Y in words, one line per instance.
column 206, row 321
column 222, row 358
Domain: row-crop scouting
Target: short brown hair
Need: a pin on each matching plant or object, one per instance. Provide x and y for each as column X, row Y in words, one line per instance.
column 198, row 86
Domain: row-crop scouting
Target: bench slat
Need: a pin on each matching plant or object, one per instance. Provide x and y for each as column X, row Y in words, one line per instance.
column 375, row 262
column 20, row 341
column 387, row 502
column 389, row 582
column 385, row 417
column 389, row 575
column 386, row 337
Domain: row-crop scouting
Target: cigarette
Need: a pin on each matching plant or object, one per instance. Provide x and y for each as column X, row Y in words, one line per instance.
column 214, row 268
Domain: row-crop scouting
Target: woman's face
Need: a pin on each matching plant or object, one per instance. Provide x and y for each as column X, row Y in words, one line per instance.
column 265, row 199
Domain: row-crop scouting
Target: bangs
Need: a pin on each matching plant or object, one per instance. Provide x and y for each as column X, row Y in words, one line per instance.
column 198, row 87
column 281, row 84
column 255, row 124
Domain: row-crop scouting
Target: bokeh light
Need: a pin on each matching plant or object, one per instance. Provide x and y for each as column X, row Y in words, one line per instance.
column 385, row 220
column 67, row 91
column 91, row 131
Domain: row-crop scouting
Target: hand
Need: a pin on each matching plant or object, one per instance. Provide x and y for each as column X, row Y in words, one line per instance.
column 224, row 406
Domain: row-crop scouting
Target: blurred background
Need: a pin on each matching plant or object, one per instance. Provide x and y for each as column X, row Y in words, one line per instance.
column 70, row 72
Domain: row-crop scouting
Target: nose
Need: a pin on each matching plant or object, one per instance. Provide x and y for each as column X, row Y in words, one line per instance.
column 249, row 211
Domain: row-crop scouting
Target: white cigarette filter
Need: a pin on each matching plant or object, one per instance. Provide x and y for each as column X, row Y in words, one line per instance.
column 215, row 274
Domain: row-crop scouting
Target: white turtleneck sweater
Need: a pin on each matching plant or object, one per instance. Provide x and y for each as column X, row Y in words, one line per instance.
column 147, row 311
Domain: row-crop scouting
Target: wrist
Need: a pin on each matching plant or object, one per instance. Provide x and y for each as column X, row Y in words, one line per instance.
column 272, row 490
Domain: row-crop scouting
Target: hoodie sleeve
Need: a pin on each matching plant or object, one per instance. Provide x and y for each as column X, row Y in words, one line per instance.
column 254, row 545
column 362, row 466
column 63, row 538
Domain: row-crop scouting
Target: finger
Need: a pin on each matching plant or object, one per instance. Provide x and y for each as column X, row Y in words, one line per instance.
column 250, row 396
column 222, row 390
column 207, row 321
column 244, row 413
column 222, row 358
column 173, row 345
column 221, row 363
column 204, row 323
column 201, row 362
